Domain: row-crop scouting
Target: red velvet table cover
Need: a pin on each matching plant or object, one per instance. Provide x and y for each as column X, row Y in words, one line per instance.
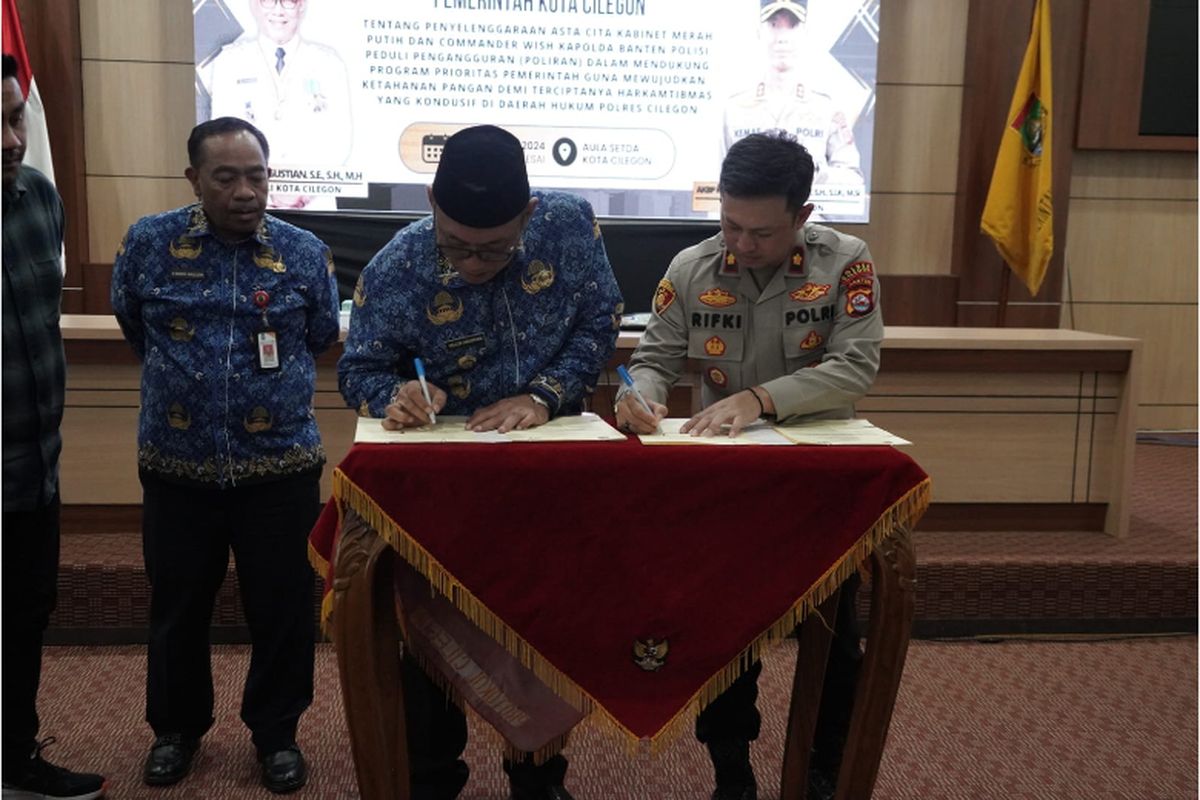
column 571, row 553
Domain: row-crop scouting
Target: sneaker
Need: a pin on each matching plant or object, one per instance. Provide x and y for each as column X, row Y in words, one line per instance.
column 41, row 780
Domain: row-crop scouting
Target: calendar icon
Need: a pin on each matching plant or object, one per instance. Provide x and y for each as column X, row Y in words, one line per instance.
column 431, row 147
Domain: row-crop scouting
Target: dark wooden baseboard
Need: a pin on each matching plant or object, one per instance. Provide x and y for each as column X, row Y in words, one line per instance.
column 79, row 519
column 1014, row 517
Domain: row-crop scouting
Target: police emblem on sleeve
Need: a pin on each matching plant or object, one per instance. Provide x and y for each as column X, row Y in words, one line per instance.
column 538, row 275
column 650, row 654
column 444, row 308
column 664, row 296
column 858, row 280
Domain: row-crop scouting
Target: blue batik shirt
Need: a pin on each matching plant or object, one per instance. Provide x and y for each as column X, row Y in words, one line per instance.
column 545, row 325
column 192, row 307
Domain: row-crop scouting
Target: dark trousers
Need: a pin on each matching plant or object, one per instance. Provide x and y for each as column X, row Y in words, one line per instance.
column 734, row 717
column 437, row 736
column 187, row 534
column 30, row 558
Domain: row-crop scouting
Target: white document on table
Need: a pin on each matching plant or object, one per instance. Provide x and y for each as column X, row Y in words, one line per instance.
column 820, row 432
column 758, row 432
column 839, row 432
column 570, row 428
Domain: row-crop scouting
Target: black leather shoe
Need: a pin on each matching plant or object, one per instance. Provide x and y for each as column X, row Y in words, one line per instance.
column 284, row 770
column 170, row 759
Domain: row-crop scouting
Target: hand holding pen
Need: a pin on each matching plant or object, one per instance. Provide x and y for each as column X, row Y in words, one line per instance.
column 634, row 413
column 415, row 403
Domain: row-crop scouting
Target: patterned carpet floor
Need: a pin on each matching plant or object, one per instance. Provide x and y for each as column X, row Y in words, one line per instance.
column 1014, row 720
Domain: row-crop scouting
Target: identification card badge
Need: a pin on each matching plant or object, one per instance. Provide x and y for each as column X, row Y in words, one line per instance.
column 268, row 350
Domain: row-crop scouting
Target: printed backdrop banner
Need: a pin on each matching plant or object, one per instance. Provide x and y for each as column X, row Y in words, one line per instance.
column 631, row 103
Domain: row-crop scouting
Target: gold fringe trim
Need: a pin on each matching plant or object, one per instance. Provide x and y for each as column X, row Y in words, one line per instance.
column 903, row 514
column 444, row 582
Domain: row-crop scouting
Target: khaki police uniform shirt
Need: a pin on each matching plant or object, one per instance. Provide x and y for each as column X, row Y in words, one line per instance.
column 810, row 337
column 304, row 110
column 808, row 115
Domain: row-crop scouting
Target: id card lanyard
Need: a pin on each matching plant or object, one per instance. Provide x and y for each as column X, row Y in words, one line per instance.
column 267, row 341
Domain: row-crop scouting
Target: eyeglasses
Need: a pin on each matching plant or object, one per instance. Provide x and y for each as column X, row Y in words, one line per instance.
column 290, row 5
column 454, row 253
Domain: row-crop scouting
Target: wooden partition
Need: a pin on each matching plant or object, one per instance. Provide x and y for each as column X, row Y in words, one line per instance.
column 1018, row 428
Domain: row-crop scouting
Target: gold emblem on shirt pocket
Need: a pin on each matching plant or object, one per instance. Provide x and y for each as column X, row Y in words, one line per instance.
column 444, row 308
column 185, row 247
column 267, row 258
column 180, row 330
column 178, row 417
column 259, row 419
column 726, row 346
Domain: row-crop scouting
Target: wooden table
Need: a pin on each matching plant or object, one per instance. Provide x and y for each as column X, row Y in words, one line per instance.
column 797, row 519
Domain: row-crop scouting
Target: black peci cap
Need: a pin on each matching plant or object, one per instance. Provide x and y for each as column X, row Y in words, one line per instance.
column 481, row 180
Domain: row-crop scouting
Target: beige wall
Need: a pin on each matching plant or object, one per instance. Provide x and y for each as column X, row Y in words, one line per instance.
column 139, row 108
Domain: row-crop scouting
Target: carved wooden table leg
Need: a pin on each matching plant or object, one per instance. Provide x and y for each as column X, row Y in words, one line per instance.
column 366, row 637
column 811, row 657
column 893, row 585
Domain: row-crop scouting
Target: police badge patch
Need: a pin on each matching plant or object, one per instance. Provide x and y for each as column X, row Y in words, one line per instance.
column 858, row 280
column 812, row 341
column 717, row 297
column 809, row 292
column 664, row 296
column 717, row 378
column 714, row 346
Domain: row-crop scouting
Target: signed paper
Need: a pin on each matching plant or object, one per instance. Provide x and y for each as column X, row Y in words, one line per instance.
column 571, row 428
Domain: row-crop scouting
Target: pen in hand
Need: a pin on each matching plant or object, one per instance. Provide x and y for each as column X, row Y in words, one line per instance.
column 627, row 379
column 420, row 367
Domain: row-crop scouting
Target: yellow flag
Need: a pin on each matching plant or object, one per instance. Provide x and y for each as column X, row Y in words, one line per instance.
column 1019, row 213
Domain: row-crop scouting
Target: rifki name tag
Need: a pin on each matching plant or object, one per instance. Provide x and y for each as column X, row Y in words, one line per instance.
column 268, row 350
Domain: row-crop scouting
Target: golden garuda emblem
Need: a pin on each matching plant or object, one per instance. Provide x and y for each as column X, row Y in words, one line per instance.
column 650, row 654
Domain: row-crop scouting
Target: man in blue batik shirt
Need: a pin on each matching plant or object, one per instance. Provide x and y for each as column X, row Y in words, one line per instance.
column 227, row 308
column 510, row 301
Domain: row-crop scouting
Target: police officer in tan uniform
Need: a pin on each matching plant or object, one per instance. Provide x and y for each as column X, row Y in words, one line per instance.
column 782, row 100
column 782, row 315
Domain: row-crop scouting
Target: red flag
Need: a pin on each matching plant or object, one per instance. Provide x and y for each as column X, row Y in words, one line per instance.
column 37, row 137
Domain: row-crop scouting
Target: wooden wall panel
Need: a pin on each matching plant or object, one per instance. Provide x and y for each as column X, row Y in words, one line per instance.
column 1111, row 85
column 916, row 139
column 1133, row 251
column 1107, row 174
column 138, row 117
column 115, row 203
column 907, row 51
column 1169, row 352
column 909, row 234
column 136, row 30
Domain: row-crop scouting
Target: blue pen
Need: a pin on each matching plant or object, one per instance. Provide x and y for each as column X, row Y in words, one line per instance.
column 425, row 388
column 627, row 379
